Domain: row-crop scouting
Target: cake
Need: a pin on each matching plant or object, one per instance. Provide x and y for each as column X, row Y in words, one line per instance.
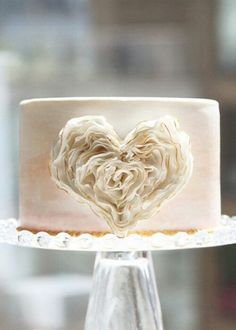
column 119, row 165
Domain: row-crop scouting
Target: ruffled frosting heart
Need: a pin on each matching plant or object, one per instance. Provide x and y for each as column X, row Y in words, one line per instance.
column 123, row 181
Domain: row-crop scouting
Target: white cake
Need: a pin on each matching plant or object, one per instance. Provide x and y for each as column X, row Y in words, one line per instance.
column 121, row 165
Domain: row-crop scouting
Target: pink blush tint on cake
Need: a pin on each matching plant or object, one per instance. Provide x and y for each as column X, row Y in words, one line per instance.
column 49, row 206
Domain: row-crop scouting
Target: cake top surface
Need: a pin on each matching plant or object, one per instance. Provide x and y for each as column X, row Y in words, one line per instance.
column 193, row 101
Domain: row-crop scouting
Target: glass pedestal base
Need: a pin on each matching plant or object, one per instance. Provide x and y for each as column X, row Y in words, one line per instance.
column 124, row 294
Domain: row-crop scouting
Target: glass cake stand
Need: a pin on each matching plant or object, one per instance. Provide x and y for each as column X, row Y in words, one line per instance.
column 124, row 294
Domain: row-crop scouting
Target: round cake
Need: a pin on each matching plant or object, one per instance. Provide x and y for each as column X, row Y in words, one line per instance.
column 119, row 165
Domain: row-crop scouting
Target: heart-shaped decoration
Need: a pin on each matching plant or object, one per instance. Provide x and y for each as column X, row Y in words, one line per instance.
column 123, row 181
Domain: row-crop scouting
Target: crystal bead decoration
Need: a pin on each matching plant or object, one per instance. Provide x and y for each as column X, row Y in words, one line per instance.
column 224, row 234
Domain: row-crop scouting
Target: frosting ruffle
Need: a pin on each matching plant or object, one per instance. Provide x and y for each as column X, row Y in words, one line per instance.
column 123, row 181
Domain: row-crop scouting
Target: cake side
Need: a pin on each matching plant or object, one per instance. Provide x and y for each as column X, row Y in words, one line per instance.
column 45, row 207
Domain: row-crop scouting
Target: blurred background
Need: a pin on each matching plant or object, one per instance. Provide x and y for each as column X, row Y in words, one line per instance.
column 115, row 48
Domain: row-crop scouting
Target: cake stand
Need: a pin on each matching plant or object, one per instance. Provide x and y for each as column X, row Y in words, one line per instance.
column 124, row 295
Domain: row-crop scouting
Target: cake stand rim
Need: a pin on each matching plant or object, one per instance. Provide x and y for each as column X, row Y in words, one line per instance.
column 224, row 234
